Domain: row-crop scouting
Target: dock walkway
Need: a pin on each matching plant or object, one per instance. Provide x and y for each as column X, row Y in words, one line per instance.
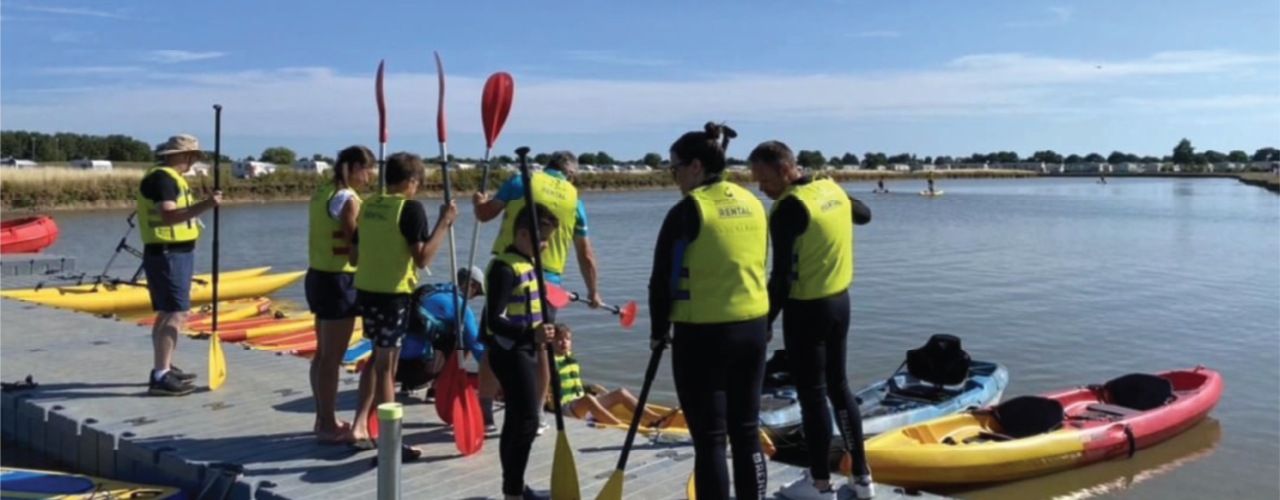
column 91, row 411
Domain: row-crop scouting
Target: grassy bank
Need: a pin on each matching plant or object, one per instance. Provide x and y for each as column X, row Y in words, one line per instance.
column 1262, row 179
column 54, row 188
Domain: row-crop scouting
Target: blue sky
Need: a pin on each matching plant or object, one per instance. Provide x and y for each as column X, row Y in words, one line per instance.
column 939, row 77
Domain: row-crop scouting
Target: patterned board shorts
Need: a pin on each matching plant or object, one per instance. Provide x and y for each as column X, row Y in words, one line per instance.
column 386, row 317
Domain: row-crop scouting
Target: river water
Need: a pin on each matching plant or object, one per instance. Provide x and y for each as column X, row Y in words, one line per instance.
column 1065, row 281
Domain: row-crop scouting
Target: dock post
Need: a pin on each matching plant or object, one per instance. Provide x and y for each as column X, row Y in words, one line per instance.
column 390, row 416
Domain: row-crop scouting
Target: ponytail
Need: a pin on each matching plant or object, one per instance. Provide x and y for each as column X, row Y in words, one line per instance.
column 707, row 146
column 352, row 157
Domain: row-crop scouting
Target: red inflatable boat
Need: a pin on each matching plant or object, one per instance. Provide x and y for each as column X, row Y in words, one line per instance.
column 27, row 234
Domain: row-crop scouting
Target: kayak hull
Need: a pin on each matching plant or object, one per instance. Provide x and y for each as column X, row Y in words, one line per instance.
column 28, row 234
column 30, row 483
column 959, row 449
column 886, row 405
column 137, row 299
column 52, row 291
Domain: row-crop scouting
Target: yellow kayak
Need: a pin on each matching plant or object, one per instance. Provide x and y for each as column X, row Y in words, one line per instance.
column 107, row 287
column 671, row 426
column 29, row 483
column 137, row 299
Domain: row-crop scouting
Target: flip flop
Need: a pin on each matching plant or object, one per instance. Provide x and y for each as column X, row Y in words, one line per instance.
column 364, row 444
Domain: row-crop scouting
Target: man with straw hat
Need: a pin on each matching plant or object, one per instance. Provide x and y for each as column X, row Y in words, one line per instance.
column 169, row 229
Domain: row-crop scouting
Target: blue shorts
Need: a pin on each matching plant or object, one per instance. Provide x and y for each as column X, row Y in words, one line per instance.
column 169, row 280
column 331, row 295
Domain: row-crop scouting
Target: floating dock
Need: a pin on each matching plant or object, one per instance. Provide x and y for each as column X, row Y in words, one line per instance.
column 90, row 411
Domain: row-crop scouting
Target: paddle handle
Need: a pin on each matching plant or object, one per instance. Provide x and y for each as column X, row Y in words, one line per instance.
column 475, row 229
column 650, row 373
column 217, row 185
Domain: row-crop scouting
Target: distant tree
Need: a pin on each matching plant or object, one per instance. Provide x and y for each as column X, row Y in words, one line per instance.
column 1094, row 158
column 943, row 160
column 507, row 160
column 1199, row 159
column 1238, row 156
column 731, row 161
column 1149, row 159
column 587, row 159
column 900, row 158
column 928, row 160
column 540, row 158
column 849, row 159
column 1074, row 158
column 279, row 155
column 603, row 158
column 1212, row 156
column 1116, row 157
column 873, row 160
column 1184, row 153
column 652, row 159
column 836, row 161
column 250, row 158
column 1047, row 156
column 810, row 159
column 1265, row 154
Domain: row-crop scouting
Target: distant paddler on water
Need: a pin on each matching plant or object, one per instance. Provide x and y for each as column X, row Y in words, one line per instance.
column 167, row 223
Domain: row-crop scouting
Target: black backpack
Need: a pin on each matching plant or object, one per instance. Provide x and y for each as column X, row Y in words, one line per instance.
column 941, row 361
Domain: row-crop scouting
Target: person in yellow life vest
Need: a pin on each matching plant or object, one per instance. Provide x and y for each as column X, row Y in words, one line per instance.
column 167, row 222
column 330, row 283
column 553, row 187
column 811, row 227
column 575, row 399
column 392, row 242
column 708, row 283
column 514, row 329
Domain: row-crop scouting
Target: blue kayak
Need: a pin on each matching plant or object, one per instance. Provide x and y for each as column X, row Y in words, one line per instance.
column 28, row 483
column 888, row 404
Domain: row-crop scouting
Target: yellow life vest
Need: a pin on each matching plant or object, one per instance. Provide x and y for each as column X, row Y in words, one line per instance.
column 561, row 197
column 822, row 257
column 524, row 307
column 327, row 245
column 571, row 387
column 722, row 272
column 386, row 266
column 152, row 227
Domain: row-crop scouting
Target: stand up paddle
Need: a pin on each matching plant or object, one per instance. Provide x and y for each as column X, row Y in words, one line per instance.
column 468, row 424
column 217, row 362
column 372, row 424
column 564, row 473
column 613, row 488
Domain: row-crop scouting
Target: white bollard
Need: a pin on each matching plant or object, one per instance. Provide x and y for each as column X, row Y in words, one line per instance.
column 390, row 416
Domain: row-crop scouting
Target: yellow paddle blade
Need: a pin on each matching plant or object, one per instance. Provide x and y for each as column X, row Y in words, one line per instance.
column 846, row 464
column 690, row 489
column 217, row 363
column 564, row 473
column 613, row 488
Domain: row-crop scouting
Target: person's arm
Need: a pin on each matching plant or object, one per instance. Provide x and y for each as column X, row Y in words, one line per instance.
column 680, row 227
column 586, row 257
column 487, row 209
column 163, row 190
column 348, row 215
column 786, row 224
column 471, row 331
column 413, row 225
column 498, row 284
column 861, row 213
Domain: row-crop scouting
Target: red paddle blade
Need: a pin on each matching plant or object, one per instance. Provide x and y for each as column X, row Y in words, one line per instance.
column 445, row 389
column 440, row 133
column 382, row 105
column 373, row 425
column 468, row 424
column 627, row 315
column 556, row 296
column 499, row 91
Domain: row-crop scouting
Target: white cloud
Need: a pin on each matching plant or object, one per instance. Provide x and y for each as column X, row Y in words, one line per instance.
column 320, row 102
column 1059, row 15
column 1062, row 12
column 612, row 57
column 91, row 70
column 180, row 56
column 878, row 34
column 68, row 11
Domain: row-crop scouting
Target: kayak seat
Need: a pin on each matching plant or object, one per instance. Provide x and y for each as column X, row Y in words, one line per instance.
column 1138, row 391
column 941, row 361
column 1026, row 416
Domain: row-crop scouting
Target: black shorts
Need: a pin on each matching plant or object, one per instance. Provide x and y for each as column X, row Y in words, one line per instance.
column 331, row 295
column 386, row 317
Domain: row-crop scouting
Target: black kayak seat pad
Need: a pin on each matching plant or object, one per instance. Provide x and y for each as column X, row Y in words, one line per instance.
column 1027, row 416
column 1139, row 391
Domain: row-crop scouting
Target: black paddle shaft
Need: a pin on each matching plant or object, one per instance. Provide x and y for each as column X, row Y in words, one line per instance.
column 217, row 185
column 525, row 176
column 650, row 373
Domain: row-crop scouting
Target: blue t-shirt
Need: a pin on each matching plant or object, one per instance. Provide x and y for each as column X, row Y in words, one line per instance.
column 513, row 190
column 438, row 307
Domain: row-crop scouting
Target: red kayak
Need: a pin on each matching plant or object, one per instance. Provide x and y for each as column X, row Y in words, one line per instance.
column 27, row 234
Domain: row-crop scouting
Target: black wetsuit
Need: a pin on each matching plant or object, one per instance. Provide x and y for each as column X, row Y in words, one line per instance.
column 718, row 370
column 515, row 368
column 815, row 334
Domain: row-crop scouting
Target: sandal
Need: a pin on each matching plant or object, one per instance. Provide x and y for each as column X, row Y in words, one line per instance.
column 364, row 444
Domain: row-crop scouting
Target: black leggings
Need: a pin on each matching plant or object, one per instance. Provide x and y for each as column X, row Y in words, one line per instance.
column 515, row 370
column 815, row 333
column 719, row 369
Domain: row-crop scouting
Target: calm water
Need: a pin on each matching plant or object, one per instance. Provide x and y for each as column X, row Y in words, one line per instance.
column 1065, row 281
